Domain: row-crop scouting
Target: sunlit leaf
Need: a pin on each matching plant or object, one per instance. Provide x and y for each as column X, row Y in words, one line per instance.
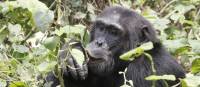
column 51, row 42
column 17, row 84
column 78, row 55
column 15, row 32
column 147, row 46
column 76, row 31
column 175, row 16
column 132, row 54
column 36, row 39
column 195, row 66
column 41, row 15
column 24, row 73
column 173, row 45
column 3, row 34
column 43, row 19
column 46, row 66
column 191, row 80
column 20, row 48
column 161, row 24
column 3, row 83
column 127, row 3
column 163, row 77
column 3, row 66
column 195, row 45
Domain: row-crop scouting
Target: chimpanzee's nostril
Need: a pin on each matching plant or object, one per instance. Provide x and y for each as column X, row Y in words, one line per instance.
column 98, row 43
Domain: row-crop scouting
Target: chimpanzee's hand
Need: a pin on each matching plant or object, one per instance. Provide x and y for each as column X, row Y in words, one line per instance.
column 69, row 63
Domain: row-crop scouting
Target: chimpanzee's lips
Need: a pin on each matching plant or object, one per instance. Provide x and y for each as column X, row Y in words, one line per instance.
column 95, row 60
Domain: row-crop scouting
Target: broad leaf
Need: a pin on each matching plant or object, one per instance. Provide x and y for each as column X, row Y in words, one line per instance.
column 147, row 46
column 132, row 54
column 191, row 81
column 195, row 66
column 78, row 55
column 46, row 66
column 20, row 48
column 51, row 42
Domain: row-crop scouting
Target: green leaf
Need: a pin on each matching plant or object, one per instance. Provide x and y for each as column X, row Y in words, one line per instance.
column 182, row 50
column 191, row 81
column 41, row 16
column 131, row 55
column 163, row 77
column 139, row 2
column 19, row 56
column 173, row 45
column 24, row 73
column 78, row 55
column 127, row 3
column 51, row 42
column 3, row 66
column 150, row 14
column 183, row 83
column 15, row 32
column 195, row 66
column 76, row 31
column 42, row 19
column 3, row 83
column 147, row 46
column 195, row 45
column 3, row 34
column 161, row 24
column 35, row 39
column 46, row 66
column 182, row 9
column 176, row 16
column 17, row 84
column 20, row 48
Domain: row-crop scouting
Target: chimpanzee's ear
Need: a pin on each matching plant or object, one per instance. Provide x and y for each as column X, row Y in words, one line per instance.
column 148, row 34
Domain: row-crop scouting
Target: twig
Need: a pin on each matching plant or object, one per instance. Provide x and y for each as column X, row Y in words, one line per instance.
column 28, row 36
column 163, row 9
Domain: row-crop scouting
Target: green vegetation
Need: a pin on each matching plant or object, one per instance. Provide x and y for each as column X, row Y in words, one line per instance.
column 31, row 33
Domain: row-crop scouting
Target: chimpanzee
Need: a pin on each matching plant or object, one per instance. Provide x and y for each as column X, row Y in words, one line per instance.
column 114, row 32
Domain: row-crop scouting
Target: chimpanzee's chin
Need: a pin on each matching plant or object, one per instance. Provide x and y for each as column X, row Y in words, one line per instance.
column 100, row 69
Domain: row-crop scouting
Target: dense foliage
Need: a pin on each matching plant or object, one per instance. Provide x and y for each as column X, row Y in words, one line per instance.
column 31, row 33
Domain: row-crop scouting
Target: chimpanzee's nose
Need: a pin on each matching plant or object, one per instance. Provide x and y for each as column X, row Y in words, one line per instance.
column 99, row 42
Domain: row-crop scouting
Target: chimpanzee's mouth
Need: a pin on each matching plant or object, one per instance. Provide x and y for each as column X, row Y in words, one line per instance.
column 95, row 60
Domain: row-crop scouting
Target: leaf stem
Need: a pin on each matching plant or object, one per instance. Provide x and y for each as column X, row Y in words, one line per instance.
column 152, row 67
